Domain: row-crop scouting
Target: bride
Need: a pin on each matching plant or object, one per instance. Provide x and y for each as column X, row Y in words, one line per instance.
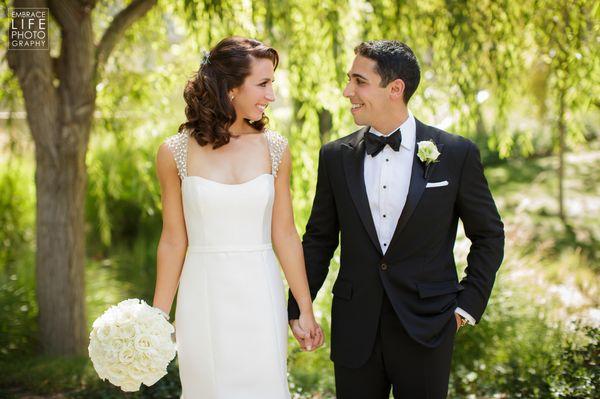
column 227, row 225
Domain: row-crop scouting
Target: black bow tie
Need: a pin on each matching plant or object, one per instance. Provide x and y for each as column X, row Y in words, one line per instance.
column 376, row 143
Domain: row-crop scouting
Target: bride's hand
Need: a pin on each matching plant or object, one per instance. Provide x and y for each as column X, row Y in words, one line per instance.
column 315, row 335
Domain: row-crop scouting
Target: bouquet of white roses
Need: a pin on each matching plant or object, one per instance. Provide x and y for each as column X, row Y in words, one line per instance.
column 131, row 344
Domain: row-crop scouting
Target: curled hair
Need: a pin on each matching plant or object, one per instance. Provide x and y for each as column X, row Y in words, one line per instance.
column 209, row 110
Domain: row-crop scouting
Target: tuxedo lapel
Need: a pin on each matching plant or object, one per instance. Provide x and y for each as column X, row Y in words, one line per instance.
column 353, row 159
column 417, row 183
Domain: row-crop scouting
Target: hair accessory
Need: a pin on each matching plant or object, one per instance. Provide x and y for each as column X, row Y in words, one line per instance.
column 205, row 58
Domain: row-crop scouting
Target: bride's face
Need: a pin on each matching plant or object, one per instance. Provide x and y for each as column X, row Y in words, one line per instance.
column 254, row 95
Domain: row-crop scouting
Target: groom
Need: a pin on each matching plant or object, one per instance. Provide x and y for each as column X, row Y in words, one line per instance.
column 393, row 191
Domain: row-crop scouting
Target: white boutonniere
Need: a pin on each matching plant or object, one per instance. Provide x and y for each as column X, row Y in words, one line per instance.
column 428, row 153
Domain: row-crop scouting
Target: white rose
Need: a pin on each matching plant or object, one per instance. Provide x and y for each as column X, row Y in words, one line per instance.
column 114, row 372
column 129, row 302
column 428, row 152
column 116, row 344
column 127, row 331
column 136, row 372
column 104, row 332
column 142, row 342
column 130, row 386
column 126, row 355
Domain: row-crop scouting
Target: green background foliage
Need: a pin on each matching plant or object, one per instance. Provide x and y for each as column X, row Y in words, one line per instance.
column 503, row 73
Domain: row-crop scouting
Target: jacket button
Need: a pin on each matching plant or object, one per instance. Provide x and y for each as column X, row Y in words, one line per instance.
column 384, row 266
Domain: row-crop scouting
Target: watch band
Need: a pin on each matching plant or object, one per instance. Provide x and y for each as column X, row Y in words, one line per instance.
column 162, row 312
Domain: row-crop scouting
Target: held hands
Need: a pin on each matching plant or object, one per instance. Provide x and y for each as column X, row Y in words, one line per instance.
column 309, row 335
column 307, row 332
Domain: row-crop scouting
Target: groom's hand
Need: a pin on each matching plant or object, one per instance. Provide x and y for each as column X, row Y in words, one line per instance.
column 458, row 321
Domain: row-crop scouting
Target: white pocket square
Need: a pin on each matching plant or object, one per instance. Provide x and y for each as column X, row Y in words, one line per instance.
column 437, row 184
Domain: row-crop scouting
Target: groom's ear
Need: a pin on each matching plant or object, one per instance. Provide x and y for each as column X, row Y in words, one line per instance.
column 396, row 89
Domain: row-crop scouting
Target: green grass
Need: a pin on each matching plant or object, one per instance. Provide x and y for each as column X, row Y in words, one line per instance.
column 74, row 377
column 44, row 375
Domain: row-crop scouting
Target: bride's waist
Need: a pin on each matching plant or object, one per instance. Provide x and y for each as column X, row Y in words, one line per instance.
column 229, row 247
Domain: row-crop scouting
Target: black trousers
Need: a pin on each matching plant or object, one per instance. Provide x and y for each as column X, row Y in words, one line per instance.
column 398, row 362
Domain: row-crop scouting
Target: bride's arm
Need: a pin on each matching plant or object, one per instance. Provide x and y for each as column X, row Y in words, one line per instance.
column 173, row 239
column 286, row 241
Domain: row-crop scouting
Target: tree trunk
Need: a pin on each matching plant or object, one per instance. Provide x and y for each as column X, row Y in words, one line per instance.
column 60, row 256
column 59, row 96
column 59, row 119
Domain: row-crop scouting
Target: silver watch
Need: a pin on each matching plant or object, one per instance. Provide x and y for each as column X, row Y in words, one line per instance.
column 163, row 313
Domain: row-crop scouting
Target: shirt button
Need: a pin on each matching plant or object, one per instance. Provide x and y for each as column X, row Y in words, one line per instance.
column 387, row 160
column 384, row 266
column 385, row 244
column 384, row 186
column 383, row 215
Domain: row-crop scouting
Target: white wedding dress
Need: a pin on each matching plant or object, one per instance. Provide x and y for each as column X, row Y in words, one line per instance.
column 231, row 318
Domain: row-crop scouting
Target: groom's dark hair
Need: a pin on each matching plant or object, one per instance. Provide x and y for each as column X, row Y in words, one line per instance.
column 395, row 60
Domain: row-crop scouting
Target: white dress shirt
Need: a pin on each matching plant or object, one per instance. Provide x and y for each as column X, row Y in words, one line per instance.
column 387, row 179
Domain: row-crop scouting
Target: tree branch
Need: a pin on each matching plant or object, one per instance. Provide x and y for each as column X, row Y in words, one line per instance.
column 66, row 13
column 119, row 24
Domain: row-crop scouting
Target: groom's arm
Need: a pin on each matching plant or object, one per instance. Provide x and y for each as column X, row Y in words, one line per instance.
column 321, row 238
column 483, row 226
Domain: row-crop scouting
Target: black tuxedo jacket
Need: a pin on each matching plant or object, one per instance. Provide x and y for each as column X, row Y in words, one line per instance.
column 417, row 272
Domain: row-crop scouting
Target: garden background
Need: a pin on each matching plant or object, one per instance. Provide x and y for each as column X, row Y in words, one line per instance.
column 80, row 212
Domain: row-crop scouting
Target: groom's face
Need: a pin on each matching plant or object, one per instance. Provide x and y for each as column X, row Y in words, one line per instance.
column 368, row 100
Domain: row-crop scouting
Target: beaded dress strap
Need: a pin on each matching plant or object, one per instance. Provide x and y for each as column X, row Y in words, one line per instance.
column 277, row 145
column 177, row 143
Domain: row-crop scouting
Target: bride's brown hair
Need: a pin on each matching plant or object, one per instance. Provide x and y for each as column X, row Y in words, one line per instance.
column 209, row 110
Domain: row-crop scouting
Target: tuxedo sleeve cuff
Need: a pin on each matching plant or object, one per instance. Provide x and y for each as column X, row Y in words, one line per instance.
column 464, row 314
column 293, row 309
